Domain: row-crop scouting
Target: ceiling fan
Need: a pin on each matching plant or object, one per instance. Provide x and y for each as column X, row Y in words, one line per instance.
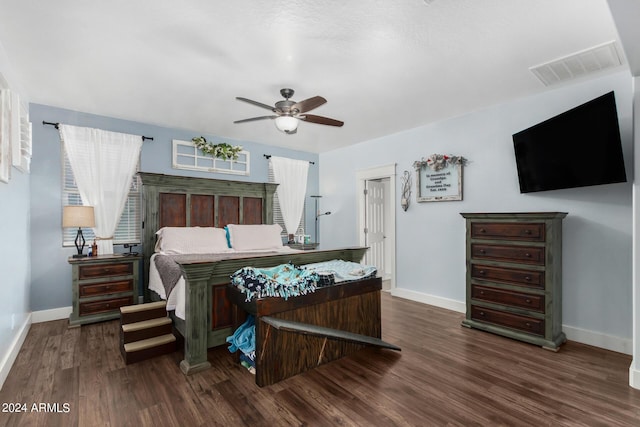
column 288, row 113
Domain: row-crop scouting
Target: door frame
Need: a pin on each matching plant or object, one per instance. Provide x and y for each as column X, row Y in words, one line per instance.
column 379, row 172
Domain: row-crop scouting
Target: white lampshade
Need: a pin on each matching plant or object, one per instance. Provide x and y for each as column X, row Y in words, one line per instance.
column 286, row 123
column 78, row 216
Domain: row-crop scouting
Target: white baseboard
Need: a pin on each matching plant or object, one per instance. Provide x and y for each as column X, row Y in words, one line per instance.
column 12, row 352
column 634, row 376
column 53, row 314
column 596, row 339
column 449, row 304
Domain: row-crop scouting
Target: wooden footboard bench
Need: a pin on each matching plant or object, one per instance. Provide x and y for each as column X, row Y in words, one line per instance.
column 300, row 333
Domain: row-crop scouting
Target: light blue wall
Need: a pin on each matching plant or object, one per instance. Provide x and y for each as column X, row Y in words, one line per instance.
column 14, row 258
column 51, row 274
column 14, row 247
column 430, row 237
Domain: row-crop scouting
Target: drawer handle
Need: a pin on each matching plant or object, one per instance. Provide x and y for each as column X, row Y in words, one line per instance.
column 527, row 231
column 527, row 255
column 107, row 305
column 527, row 278
column 107, row 269
column 481, row 292
column 481, row 272
column 482, row 251
column 528, row 325
column 528, row 301
column 482, row 313
column 482, row 230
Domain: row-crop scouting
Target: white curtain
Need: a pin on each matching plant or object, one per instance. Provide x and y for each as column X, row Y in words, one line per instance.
column 292, row 176
column 103, row 165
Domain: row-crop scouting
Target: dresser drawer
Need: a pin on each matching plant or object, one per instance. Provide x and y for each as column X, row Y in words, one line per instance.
column 520, row 254
column 105, row 270
column 507, row 297
column 106, row 288
column 532, row 232
column 514, row 321
column 533, row 279
column 102, row 306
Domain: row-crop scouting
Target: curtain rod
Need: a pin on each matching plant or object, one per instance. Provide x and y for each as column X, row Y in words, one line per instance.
column 57, row 126
column 268, row 156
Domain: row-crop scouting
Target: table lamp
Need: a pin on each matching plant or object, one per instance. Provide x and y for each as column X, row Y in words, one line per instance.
column 78, row 216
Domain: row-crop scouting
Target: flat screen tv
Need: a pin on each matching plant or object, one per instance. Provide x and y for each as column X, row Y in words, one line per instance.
column 578, row 148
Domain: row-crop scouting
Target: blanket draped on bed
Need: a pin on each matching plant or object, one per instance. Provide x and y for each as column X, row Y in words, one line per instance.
column 169, row 271
column 283, row 281
column 169, row 268
column 343, row 271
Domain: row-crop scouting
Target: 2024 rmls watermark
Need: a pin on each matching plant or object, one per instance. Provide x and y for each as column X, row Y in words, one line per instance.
column 44, row 407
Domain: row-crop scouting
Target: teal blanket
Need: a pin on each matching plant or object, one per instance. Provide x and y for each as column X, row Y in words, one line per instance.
column 244, row 338
column 284, row 281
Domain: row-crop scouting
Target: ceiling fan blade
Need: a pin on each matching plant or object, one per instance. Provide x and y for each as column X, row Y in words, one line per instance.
column 320, row 120
column 256, row 103
column 253, row 119
column 308, row 104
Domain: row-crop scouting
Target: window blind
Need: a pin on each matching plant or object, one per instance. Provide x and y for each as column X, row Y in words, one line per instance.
column 128, row 230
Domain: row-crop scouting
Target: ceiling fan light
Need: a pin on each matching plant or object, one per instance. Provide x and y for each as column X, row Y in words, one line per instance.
column 286, row 124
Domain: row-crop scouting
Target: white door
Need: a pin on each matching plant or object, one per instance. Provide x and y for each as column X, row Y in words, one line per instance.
column 375, row 221
column 380, row 232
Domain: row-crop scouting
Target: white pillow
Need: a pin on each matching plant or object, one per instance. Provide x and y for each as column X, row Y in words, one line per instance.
column 191, row 240
column 255, row 237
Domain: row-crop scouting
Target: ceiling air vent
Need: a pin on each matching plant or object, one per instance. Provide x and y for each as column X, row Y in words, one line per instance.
column 592, row 60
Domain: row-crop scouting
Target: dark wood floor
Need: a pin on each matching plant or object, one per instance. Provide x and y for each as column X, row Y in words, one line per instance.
column 445, row 375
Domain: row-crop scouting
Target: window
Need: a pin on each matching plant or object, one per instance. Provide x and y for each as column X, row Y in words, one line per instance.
column 277, row 214
column 128, row 230
column 187, row 156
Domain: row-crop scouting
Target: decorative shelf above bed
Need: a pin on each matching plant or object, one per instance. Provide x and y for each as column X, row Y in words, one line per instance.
column 303, row 246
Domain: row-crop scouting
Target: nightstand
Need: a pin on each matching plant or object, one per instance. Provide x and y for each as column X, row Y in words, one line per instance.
column 101, row 285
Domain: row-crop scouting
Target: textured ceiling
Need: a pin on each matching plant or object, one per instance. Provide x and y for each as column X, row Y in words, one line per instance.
column 383, row 66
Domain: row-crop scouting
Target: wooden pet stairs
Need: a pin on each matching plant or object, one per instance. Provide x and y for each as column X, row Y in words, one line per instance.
column 145, row 332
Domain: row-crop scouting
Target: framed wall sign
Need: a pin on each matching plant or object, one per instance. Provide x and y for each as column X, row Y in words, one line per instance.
column 439, row 178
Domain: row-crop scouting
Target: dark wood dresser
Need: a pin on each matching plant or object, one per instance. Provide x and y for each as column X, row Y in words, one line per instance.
column 514, row 275
column 101, row 285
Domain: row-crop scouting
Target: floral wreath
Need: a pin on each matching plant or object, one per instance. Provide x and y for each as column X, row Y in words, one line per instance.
column 440, row 161
column 222, row 151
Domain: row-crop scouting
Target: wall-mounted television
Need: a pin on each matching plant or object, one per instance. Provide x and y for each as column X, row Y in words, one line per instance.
column 578, row 148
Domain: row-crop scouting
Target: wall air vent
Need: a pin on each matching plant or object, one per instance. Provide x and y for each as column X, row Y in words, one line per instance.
column 592, row 60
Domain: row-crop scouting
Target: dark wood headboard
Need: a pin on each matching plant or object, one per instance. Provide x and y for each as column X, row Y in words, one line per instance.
column 180, row 201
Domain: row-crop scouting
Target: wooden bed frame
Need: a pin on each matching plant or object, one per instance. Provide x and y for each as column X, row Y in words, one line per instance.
column 177, row 201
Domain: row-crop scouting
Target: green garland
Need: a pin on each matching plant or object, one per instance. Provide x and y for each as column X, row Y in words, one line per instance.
column 438, row 162
column 222, row 151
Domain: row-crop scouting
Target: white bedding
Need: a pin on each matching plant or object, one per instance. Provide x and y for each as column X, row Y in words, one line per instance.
column 176, row 300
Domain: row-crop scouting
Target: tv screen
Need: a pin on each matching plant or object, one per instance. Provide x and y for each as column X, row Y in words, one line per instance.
column 578, row 148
